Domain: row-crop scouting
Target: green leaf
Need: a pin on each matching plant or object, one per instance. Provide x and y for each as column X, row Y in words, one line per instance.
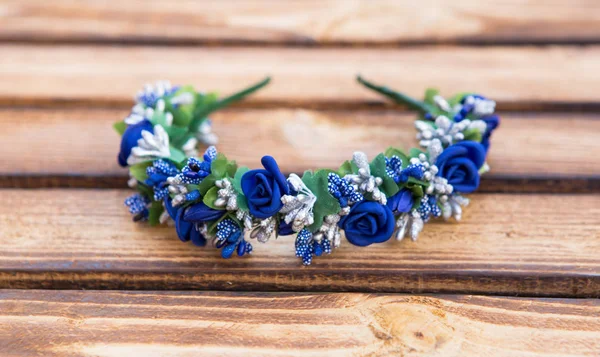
column 473, row 135
column 139, row 170
column 159, row 118
column 237, row 179
column 120, row 127
column 417, row 191
column 221, row 167
column 177, row 135
column 326, row 204
column 210, row 198
column 145, row 190
column 218, row 167
column 231, row 169
column 206, row 184
column 414, row 152
column 396, row 152
column 201, row 112
column 156, row 209
column 177, row 155
column 397, row 97
column 237, row 186
column 203, row 102
column 191, row 187
column 242, row 202
column 417, row 181
column 430, row 93
column 457, row 98
column 389, row 186
column 182, row 113
column 347, row 168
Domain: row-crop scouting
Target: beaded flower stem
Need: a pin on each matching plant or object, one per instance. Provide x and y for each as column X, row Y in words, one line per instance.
column 212, row 198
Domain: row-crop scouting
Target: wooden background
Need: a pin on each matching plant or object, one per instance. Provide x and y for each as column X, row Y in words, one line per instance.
column 520, row 276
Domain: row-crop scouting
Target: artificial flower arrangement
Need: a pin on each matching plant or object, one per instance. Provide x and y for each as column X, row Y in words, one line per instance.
column 210, row 197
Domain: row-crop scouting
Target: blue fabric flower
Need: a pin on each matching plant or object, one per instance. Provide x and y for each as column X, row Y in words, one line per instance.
column 492, row 122
column 186, row 230
column 460, row 163
column 130, row 138
column 368, row 222
column 263, row 189
column 200, row 213
column 401, row 201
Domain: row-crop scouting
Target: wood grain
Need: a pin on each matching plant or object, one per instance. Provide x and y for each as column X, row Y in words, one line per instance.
column 527, row 77
column 301, row 22
column 81, row 143
column 538, row 245
column 92, row 323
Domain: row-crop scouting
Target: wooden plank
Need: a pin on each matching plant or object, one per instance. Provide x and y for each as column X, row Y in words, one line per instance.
column 538, row 245
column 80, row 143
column 301, row 22
column 92, row 323
column 514, row 76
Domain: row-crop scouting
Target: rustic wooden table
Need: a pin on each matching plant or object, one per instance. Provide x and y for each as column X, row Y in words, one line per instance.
column 518, row 277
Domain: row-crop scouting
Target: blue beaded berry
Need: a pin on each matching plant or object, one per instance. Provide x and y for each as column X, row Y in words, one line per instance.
column 429, row 208
column 306, row 246
column 342, row 190
column 138, row 206
column 158, row 174
column 230, row 239
column 393, row 168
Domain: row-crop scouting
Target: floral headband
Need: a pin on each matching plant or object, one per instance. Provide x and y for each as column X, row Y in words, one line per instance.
column 212, row 198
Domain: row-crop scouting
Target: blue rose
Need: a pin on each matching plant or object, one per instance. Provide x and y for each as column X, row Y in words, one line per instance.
column 263, row 189
column 368, row 222
column 460, row 163
column 401, row 201
column 186, row 230
column 491, row 122
column 130, row 138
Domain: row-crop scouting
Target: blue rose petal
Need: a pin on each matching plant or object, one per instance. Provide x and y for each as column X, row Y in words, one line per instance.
column 492, row 122
column 401, row 201
column 263, row 189
column 271, row 166
column 200, row 212
column 183, row 227
column 197, row 238
column 130, row 138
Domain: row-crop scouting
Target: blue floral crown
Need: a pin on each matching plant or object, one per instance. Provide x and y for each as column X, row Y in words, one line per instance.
column 212, row 198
